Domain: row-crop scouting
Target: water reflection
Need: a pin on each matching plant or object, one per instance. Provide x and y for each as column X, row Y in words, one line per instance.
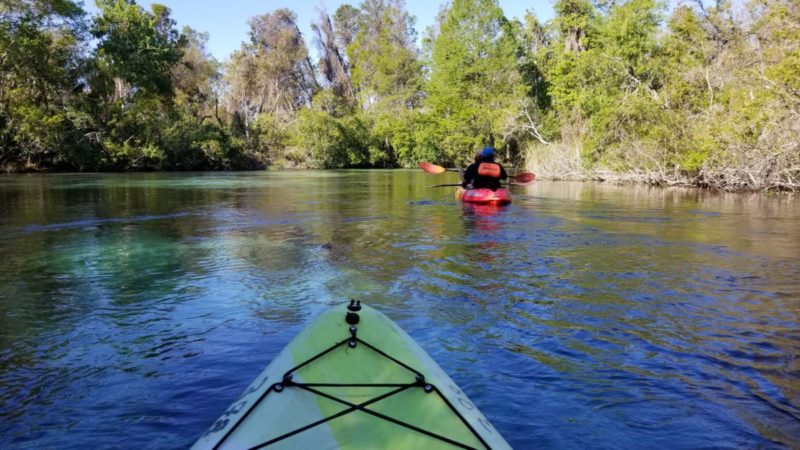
column 134, row 308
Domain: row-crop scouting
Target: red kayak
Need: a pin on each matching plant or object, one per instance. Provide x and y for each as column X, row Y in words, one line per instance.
column 484, row 196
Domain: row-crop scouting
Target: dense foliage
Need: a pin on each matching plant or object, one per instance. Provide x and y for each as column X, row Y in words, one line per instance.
column 705, row 96
column 693, row 93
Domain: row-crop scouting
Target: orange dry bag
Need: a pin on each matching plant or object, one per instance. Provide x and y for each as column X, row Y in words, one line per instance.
column 489, row 170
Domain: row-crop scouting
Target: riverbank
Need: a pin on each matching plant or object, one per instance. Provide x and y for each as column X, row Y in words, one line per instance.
column 777, row 171
column 651, row 179
column 10, row 168
column 731, row 181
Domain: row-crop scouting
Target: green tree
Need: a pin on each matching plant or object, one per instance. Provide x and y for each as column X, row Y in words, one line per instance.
column 475, row 90
column 332, row 142
column 137, row 47
column 384, row 59
column 195, row 77
column 40, row 75
column 387, row 73
column 346, row 22
column 131, row 83
column 537, row 121
column 269, row 80
column 151, row 93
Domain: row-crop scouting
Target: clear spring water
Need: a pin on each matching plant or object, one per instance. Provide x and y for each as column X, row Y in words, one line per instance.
column 135, row 308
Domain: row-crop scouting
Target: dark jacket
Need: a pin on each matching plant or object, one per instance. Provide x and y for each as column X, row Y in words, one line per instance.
column 488, row 176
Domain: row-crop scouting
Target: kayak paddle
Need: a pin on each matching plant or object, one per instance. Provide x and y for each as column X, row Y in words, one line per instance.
column 522, row 178
column 434, row 169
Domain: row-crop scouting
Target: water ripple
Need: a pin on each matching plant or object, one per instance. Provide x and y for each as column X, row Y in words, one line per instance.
column 581, row 316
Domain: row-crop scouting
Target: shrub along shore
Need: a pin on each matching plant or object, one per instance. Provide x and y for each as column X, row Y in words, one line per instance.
column 633, row 90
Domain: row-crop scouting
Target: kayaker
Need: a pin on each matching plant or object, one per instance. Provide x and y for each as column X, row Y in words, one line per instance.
column 484, row 173
column 478, row 158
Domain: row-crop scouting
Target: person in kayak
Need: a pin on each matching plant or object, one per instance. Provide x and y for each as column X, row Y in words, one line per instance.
column 485, row 173
column 478, row 158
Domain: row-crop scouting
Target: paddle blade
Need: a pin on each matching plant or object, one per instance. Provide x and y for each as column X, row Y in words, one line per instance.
column 524, row 178
column 431, row 168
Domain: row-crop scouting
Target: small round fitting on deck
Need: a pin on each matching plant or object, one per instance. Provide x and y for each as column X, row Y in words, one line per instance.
column 352, row 318
column 355, row 305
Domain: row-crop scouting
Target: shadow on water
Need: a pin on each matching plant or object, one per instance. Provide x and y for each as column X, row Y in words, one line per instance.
column 135, row 308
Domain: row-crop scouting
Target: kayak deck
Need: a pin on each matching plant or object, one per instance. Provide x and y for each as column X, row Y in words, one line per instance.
column 360, row 385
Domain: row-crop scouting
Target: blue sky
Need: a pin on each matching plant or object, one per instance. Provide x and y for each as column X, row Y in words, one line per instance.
column 226, row 20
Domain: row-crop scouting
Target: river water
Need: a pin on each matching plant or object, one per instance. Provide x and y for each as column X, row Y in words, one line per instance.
column 135, row 308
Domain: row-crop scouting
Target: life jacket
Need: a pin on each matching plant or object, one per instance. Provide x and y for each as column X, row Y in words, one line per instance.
column 487, row 169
